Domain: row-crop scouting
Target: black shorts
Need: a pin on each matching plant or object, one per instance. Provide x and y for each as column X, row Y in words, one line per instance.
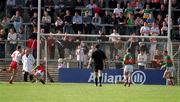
column 98, row 67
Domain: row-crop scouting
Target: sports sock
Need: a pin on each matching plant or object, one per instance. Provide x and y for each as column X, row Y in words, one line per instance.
column 100, row 79
column 96, row 81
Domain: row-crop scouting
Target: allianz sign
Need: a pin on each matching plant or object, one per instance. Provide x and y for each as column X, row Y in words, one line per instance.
column 138, row 77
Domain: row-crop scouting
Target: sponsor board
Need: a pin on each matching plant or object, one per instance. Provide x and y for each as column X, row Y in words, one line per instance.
column 76, row 75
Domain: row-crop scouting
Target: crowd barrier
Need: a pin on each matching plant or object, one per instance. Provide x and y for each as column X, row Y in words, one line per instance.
column 146, row 76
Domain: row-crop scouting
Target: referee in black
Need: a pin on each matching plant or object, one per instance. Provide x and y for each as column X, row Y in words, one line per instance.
column 99, row 58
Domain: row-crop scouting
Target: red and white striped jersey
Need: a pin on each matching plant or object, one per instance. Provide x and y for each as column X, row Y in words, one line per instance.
column 16, row 56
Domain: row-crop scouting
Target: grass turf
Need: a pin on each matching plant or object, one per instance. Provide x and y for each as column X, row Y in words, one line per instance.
column 72, row 92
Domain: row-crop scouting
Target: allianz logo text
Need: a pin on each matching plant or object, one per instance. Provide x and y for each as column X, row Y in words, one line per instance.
column 138, row 77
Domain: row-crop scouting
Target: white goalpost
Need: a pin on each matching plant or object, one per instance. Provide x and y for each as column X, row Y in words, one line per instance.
column 169, row 43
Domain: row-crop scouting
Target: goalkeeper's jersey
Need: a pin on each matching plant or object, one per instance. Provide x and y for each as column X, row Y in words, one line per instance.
column 129, row 59
column 168, row 61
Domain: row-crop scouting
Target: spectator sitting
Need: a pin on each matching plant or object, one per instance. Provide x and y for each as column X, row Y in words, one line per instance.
column 17, row 21
column 59, row 24
column 46, row 20
column 164, row 29
column 118, row 10
column 90, row 7
column 12, row 37
column 150, row 19
column 96, row 21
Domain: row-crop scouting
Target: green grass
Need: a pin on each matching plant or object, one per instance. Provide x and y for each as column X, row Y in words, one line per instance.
column 71, row 92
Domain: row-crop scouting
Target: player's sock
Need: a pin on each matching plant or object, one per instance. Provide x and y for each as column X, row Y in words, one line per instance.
column 96, row 81
column 125, row 83
column 129, row 84
column 171, row 82
column 42, row 81
column 10, row 81
column 100, row 79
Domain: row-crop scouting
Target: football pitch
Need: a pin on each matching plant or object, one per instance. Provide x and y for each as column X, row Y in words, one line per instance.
column 74, row 92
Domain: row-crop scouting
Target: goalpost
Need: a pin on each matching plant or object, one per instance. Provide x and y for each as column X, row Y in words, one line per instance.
column 57, row 35
column 169, row 43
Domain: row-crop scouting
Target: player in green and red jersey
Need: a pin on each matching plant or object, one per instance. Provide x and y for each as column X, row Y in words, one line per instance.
column 129, row 61
column 168, row 64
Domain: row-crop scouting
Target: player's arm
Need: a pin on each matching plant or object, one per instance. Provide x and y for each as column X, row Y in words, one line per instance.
column 124, row 59
column 89, row 64
column 34, row 69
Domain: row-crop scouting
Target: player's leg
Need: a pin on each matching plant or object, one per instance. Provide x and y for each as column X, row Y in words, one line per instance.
column 42, row 77
column 14, row 71
column 168, row 77
column 125, row 78
column 130, row 70
column 125, row 75
column 100, row 77
column 129, row 78
column 96, row 76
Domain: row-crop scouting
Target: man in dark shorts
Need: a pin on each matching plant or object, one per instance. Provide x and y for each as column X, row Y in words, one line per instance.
column 99, row 58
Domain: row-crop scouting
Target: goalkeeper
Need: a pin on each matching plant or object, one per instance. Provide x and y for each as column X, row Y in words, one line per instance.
column 39, row 73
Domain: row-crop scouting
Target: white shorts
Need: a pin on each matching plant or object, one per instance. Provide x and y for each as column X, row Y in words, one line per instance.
column 170, row 69
column 39, row 74
column 128, row 68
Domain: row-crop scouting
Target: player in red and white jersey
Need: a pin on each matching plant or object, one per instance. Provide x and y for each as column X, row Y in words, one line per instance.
column 16, row 57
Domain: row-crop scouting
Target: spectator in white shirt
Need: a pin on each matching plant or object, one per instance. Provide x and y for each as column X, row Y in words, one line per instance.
column 145, row 30
column 28, row 63
column 142, row 59
column 12, row 36
column 80, row 56
column 115, row 37
column 155, row 31
column 117, row 11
